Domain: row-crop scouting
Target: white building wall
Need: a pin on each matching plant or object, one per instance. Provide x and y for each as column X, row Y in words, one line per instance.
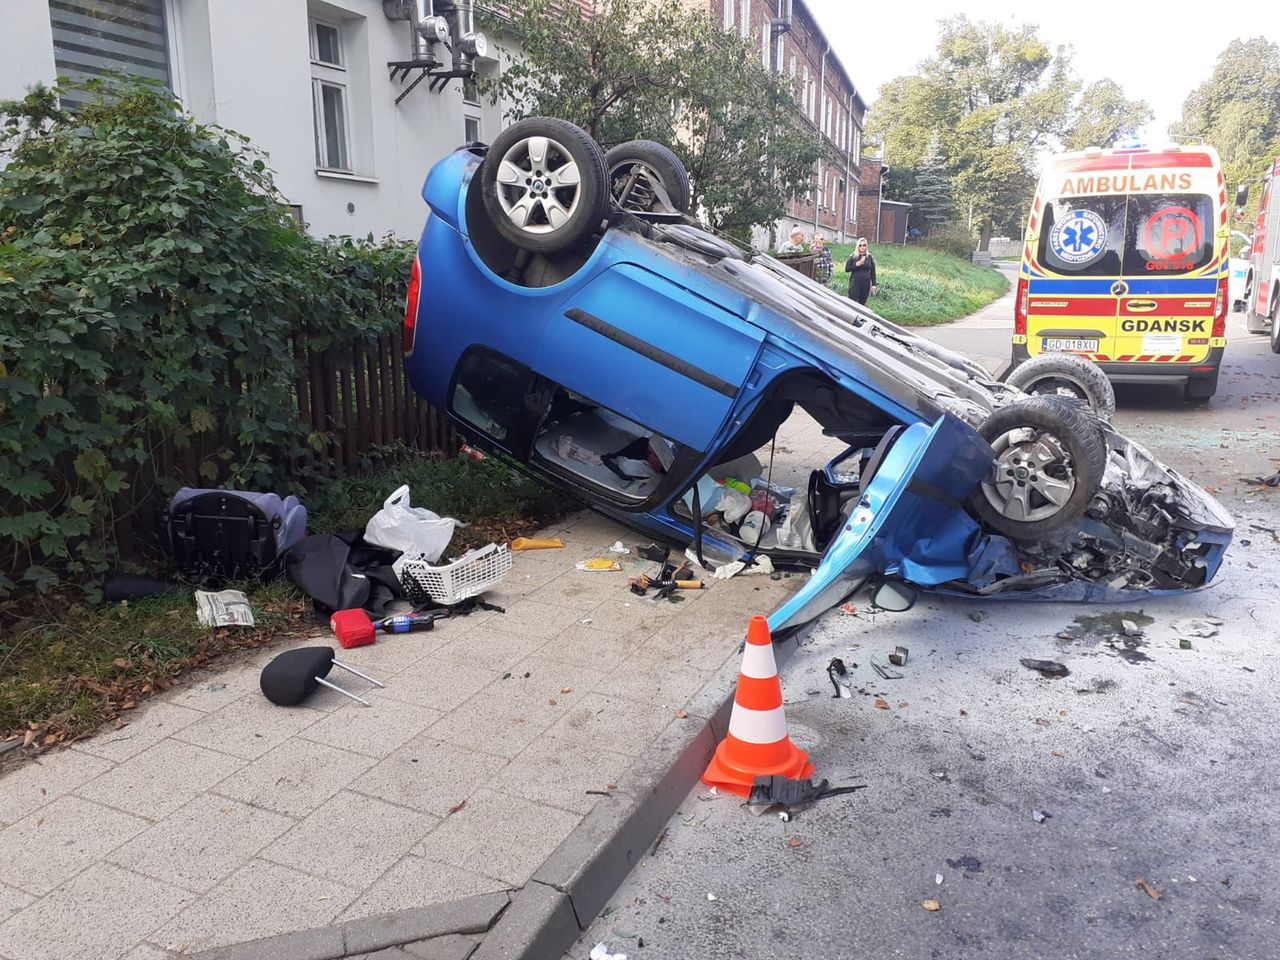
column 246, row 65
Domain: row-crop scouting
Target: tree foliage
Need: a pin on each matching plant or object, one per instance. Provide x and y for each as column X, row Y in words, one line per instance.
column 1237, row 109
column 988, row 103
column 1105, row 117
column 152, row 291
column 658, row 70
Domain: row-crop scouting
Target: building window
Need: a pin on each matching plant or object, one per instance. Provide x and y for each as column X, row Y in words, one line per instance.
column 471, row 90
column 744, row 18
column 326, row 44
column 470, row 129
column 793, row 66
column 764, row 44
column 93, row 40
column 728, row 14
column 331, row 126
column 329, row 93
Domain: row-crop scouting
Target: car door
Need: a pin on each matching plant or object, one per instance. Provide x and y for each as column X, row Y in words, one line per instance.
column 652, row 351
column 909, row 522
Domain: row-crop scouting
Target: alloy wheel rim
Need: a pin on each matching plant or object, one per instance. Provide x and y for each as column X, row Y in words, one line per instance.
column 539, row 185
column 1033, row 476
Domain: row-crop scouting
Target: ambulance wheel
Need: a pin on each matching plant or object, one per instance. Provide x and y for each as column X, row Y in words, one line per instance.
column 1048, row 459
column 1069, row 376
column 544, row 185
column 640, row 171
column 1274, row 314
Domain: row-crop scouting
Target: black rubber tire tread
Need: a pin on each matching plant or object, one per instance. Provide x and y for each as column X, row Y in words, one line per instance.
column 1102, row 398
column 1074, row 426
column 662, row 160
column 593, row 205
column 1273, row 311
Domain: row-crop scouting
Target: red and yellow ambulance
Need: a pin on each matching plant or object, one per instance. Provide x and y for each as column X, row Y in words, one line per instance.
column 1124, row 263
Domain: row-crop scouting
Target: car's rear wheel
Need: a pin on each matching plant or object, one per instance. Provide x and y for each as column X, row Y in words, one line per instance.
column 1049, row 459
column 647, row 177
column 1066, row 375
column 544, row 185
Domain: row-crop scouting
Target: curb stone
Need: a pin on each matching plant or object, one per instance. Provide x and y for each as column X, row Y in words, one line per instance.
column 543, row 919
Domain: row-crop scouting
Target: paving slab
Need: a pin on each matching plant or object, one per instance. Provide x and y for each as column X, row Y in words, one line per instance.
column 201, row 843
column 376, row 730
column 418, row 882
column 429, row 775
column 111, row 909
column 160, row 779
column 295, row 777
column 146, row 726
column 36, row 784
column 249, row 727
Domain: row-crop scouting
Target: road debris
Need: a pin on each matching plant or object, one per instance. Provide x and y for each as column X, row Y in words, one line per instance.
column 598, row 565
column 1199, row 627
column 619, row 547
column 1184, row 643
column 601, row 952
column 1148, row 889
column 1050, row 669
column 882, row 704
column 933, row 906
column 1130, row 629
column 836, row 670
column 1271, row 481
column 712, row 898
column 884, row 672
column 937, row 878
column 528, row 543
column 1039, row 816
column 899, row 656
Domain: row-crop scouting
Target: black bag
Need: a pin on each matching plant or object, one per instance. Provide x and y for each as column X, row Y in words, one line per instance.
column 342, row 572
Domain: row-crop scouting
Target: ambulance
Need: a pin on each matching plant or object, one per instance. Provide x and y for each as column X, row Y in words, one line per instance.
column 1124, row 263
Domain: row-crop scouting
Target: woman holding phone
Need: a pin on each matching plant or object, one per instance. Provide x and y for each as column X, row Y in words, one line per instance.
column 861, row 267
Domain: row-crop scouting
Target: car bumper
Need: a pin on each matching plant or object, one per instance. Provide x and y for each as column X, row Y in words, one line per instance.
column 1206, row 369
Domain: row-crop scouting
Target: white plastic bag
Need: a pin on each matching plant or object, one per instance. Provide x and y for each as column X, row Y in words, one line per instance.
column 415, row 531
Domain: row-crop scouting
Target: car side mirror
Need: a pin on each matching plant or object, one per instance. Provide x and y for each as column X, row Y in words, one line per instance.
column 894, row 596
column 1242, row 194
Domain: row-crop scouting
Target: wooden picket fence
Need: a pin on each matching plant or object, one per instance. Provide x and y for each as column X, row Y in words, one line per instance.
column 351, row 399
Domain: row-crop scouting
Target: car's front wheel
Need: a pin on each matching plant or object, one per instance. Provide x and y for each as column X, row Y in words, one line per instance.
column 1049, row 459
column 544, row 185
column 647, row 177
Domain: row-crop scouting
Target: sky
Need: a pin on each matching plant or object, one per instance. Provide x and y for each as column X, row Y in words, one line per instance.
column 1153, row 52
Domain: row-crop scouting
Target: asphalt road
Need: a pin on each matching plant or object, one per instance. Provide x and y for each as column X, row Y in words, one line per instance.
column 1152, row 762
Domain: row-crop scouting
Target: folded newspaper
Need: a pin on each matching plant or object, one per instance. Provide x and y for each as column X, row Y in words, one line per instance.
column 226, row 608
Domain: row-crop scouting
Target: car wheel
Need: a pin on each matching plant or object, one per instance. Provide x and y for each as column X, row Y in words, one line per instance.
column 1049, row 459
column 641, row 172
column 1066, row 375
column 544, row 185
column 1201, row 390
column 1273, row 314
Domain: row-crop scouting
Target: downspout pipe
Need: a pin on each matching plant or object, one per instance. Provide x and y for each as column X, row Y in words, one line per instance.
column 848, row 165
column 822, row 108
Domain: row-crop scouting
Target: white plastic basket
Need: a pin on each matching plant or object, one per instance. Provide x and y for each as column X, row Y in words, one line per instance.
column 469, row 576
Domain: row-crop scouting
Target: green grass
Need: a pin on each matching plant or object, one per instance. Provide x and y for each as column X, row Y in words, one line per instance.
column 67, row 666
column 919, row 287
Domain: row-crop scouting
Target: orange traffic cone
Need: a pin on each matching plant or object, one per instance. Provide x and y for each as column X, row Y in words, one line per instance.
column 757, row 743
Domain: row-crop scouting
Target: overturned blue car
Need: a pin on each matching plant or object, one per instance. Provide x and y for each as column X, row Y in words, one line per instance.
column 567, row 311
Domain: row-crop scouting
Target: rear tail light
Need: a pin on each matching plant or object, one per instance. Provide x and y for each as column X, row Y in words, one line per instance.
column 411, row 306
column 1020, row 308
column 1220, row 310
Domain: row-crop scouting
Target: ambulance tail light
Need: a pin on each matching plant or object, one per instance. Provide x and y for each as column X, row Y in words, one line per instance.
column 1020, row 309
column 1220, row 310
column 411, row 306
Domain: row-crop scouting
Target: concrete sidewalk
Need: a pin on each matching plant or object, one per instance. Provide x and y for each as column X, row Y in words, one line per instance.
column 216, row 818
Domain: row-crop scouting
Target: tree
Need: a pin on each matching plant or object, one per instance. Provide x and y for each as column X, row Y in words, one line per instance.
column 658, row 70
column 1104, row 117
column 996, row 97
column 931, row 192
column 1237, row 109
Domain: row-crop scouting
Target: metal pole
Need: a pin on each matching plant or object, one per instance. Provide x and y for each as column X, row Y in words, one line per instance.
column 848, row 166
column 822, row 107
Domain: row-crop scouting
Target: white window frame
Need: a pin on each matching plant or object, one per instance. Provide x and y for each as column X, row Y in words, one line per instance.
column 475, row 81
column 313, row 34
column 728, row 14
column 764, row 44
column 322, row 139
column 744, row 17
column 466, row 119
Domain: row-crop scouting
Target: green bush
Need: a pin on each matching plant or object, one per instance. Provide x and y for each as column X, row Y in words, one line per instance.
column 153, row 291
column 952, row 238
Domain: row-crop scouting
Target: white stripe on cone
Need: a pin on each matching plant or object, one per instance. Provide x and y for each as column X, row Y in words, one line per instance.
column 758, row 662
column 757, row 726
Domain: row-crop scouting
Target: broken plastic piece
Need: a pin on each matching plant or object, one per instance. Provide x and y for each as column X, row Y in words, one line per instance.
column 773, row 789
column 1039, row 816
column 653, row 552
column 1130, row 629
column 884, row 672
column 1202, row 627
column 601, row 952
column 1184, row 643
column 899, row 656
column 618, row 547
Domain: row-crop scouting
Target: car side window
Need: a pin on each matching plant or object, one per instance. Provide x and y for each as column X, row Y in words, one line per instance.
column 498, row 396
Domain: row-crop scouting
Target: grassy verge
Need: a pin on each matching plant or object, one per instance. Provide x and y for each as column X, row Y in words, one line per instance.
column 67, row 667
column 920, row 287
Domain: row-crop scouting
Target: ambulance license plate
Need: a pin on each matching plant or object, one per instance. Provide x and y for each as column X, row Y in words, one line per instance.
column 1068, row 345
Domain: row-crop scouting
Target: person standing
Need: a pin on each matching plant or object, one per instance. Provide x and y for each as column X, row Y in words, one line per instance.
column 861, row 267
column 822, row 266
column 795, row 244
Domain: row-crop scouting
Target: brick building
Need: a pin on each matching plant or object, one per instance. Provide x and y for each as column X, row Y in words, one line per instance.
column 878, row 219
column 792, row 43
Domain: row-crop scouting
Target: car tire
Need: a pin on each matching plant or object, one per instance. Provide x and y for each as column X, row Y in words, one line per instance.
column 649, row 161
column 1273, row 314
column 1201, row 389
column 1049, row 458
column 544, row 185
column 1066, row 375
